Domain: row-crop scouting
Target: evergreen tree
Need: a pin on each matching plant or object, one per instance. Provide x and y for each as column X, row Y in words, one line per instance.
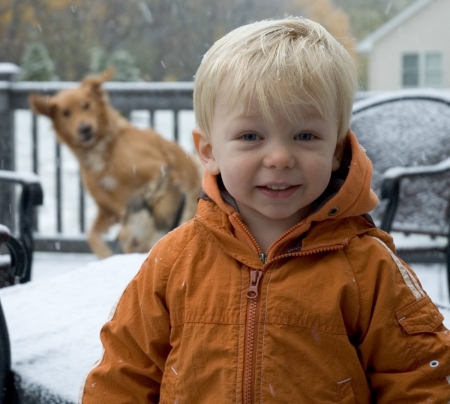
column 121, row 60
column 125, row 66
column 36, row 64
column 98, row 59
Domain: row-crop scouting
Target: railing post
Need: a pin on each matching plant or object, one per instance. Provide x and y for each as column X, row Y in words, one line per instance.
column 8, row 73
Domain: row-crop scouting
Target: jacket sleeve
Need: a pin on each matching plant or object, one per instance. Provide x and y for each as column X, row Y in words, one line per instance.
column 136, row 344
column 402, row 342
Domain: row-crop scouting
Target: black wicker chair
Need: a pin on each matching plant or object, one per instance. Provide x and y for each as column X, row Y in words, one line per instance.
column 30, row 197
column 18, row 267
column 406, row 135
column 5, row 359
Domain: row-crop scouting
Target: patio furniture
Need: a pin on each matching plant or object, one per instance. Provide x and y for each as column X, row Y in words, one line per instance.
column 5, row 357
column 30, row 197
column 406, row 135
column 17, row 269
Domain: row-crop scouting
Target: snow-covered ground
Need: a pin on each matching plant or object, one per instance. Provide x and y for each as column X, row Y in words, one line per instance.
column 54, row 321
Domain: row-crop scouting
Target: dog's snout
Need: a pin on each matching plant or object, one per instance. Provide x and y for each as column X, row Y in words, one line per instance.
column 85, row 129
column 85, row 132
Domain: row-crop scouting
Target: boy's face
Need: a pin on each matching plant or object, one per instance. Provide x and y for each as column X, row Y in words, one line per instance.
column 274, row 170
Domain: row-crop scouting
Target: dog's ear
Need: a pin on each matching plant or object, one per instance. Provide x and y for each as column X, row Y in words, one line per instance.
column 41, row 105
column 95, row 82
column 109, row 73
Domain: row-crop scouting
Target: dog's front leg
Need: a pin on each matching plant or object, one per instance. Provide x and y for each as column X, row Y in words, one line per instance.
column 102, row 223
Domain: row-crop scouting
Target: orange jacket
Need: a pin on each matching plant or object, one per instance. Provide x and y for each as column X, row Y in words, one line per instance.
column 330, row 316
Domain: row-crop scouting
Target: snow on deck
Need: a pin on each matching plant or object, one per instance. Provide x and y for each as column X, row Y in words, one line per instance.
column 54, row 323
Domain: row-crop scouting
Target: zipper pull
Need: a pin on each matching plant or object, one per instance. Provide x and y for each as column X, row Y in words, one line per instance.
column 255, row 277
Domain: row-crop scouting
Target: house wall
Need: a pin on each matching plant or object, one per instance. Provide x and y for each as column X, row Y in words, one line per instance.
column 428, row 30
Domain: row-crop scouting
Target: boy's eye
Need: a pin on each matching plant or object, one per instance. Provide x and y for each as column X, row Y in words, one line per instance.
column 250, row 136
column 305, row 136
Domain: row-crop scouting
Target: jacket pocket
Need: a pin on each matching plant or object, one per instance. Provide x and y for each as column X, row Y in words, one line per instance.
column 345, row 391
column 428, row 338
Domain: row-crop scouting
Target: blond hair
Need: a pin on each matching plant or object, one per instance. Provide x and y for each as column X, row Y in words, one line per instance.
column 289, row 63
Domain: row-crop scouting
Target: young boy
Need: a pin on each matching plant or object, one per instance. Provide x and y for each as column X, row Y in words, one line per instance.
column 281, row 290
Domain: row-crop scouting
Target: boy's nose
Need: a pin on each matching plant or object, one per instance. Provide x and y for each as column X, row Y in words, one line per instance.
column 279, row 157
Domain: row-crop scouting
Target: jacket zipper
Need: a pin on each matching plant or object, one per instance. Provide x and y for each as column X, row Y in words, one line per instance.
column 251, row 327
column 251, row 323
column 253, row 306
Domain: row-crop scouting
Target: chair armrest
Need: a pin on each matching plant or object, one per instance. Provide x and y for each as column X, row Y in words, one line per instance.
column 19, row 258
column 390, row 186
column 29, row 181
column 397, row 173
column 31, row 196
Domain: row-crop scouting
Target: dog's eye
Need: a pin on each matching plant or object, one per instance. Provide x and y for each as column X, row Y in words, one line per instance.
column 66, row 112
column 86, row 105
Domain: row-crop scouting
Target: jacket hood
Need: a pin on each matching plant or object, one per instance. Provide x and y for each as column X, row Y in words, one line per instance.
column 349, row 193
column 347, row 197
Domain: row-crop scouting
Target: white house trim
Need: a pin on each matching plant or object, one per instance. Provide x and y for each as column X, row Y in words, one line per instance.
column 366, row 45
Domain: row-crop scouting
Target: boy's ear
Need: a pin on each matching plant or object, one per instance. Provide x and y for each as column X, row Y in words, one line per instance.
column 205, row 152
column 338, row 153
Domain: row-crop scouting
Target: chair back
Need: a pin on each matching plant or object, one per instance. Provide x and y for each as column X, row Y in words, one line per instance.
column 408, row 128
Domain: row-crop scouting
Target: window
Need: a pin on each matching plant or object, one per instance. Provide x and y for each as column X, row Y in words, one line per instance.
column 411, row 70
column 433, row 69
column 424, row 70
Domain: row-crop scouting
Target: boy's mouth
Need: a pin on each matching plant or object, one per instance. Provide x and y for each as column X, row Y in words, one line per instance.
column 278, row 191
column 278, row 187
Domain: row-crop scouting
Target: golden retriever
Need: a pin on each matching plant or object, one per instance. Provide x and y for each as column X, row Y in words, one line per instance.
column 119, row 161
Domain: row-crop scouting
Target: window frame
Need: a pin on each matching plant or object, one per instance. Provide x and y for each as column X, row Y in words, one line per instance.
column 422, row 73
column 408, row 71
column 433, row 71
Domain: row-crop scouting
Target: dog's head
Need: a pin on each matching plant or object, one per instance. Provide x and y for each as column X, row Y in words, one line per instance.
column 79, row 115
